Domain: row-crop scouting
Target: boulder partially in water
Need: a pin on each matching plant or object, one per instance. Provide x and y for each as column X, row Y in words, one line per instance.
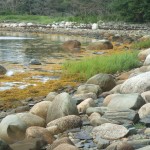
column 2, row 70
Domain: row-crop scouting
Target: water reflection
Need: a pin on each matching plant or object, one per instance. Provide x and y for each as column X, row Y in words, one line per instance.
column 21, row 47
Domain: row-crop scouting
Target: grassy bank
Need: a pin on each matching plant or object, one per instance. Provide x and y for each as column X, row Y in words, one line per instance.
column 48, row 19
column 101, row 64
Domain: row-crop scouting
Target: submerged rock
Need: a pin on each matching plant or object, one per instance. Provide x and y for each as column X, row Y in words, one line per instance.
column 2, row 70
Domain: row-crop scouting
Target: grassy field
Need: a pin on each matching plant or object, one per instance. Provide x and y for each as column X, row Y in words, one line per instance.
column 101, row 64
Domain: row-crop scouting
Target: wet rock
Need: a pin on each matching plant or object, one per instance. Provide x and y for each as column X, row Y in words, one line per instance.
column 29, row 144
column 81, row 97
column 4, row 145
column 62, row 105
column 2, row 70
column 105, row 81
column 82, row 107
column 136, row 84
column 13, row 129
column 91, row 110
column 64, row 123
column 89, row 88
column 110, row 131
column 100, row 45
column 122, row 116
column 51, row 96
column 146, row 96
column 58, row 142
column 66, row 147
column 34, row 62
column 40, row 109
column 72, row 45
column 143, row 54
column 39, row 132
column 120, row 146
column 125, row 101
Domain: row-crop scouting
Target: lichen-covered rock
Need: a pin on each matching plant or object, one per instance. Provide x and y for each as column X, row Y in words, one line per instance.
column 100, row 45
column 2, row 70
column 12, row 129
column 40, row 109
column 105, row 81
column 62, row 105
column 89, row 88
column 136, row 84
column 39, row 132
column 82, row 107
column 64, row 123
column 110, row 131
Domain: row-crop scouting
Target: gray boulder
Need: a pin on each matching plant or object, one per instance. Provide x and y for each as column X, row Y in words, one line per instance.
column 136, row 84
column 2, row 70
column 62, row 105
column 89, row 88
column 126, row 101
column 105, row 81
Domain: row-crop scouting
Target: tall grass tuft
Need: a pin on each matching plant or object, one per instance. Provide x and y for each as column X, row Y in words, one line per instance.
column 88, row 67
column 141, row 44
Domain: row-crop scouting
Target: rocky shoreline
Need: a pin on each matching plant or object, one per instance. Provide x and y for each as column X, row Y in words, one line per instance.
column 106, row 112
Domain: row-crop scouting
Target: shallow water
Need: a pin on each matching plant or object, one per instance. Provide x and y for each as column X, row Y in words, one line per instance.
column 22, row 47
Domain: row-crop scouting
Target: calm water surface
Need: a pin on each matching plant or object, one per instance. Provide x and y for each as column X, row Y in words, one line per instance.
column 22, row 47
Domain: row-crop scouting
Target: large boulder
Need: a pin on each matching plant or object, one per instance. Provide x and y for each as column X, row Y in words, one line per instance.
column 12, row 129
column 100, row 45
column 143, row 54
column 39, row 132
column 105, row 81
column 125, row 101
column 136, row 84
column 82, row 107
column 62, row 105
column 40, row 109
column 64, row 123
column 89, row 88
column 31, row 119
column 122, row 116
column 2, row 70
column 72, row 45
column 110, row 131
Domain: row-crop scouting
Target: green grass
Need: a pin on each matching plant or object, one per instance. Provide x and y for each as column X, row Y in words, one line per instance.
column 141, row 44
column 139, row 126
column 101, row 64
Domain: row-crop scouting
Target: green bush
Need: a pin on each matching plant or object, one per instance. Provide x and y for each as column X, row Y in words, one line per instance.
column 101, row 64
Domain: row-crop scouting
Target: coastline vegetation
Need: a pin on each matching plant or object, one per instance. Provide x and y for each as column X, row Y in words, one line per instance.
column 90, row 66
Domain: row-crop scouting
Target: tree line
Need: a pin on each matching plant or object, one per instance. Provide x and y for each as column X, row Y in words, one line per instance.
column 127, row 10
